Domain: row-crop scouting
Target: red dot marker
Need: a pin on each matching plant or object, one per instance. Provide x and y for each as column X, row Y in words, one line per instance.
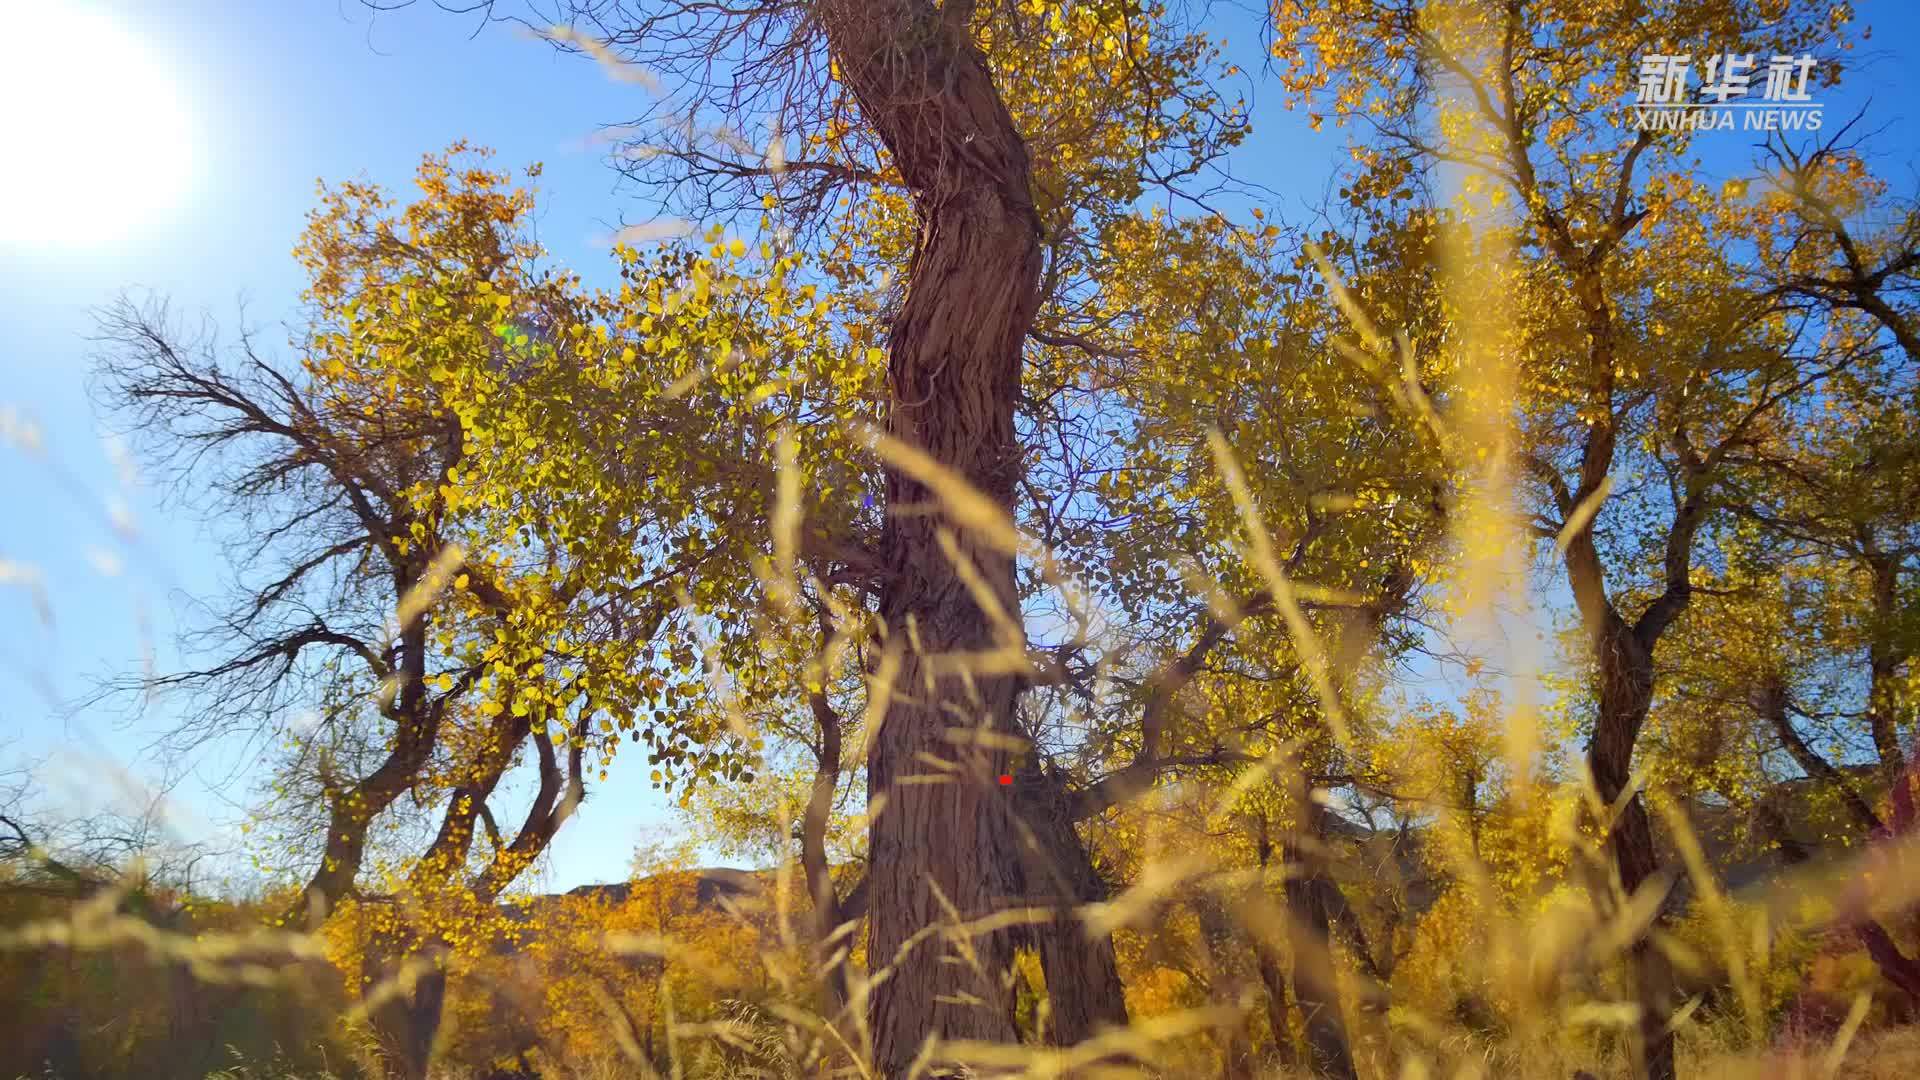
column 1006, row 780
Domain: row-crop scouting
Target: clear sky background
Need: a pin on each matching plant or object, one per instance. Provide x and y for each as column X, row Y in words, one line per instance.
column 277, row 94
column 272, row 96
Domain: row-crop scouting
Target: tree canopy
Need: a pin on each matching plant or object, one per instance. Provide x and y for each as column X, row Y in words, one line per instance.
column 1087, row 588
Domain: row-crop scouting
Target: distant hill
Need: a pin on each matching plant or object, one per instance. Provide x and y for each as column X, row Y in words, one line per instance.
column 713, row 886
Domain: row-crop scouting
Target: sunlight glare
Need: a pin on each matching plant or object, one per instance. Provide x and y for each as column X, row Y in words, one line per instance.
column 96, row 137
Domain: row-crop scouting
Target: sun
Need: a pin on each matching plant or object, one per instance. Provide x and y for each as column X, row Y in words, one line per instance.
column 94, row 136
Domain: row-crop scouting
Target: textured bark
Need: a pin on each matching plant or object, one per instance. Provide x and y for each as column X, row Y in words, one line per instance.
column 1083, row 982
column 1083, row 976
column 943, row 850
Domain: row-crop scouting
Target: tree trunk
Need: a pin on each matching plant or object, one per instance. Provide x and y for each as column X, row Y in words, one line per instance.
column 408, row 1026
column 1227, row 982
column 1310, row 913
column 1315, row 989
column 1884, row 660
column 943, row 850
column 1623, row 654
column 351, row 810
column 1273, row 974
column 1274, row 977
column 1083, row 982
column 407, row 1023
column 1083, row 976
column 1626, row 696
column 828, row 914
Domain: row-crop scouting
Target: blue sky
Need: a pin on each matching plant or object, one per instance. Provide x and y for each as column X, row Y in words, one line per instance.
column 277, row 95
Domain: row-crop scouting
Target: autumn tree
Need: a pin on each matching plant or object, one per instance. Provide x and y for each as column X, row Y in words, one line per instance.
column 922, row 122
column 464, row 535
column 1050, row 124
column 1844, row 241
column 1019, row 473
column 1630, row 373
column 1799, row 712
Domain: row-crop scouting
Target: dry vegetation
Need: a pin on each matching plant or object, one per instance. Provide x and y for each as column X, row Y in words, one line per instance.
column 996, row 524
